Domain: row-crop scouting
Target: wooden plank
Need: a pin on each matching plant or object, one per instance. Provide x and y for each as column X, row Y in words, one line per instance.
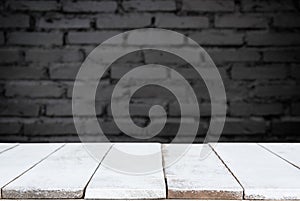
column 113, row 184
column 262, row 174
column 64, row 174
column 287, row 151
column 16, row 161
column 193, row 178
column 110, row 200
column 6, row 146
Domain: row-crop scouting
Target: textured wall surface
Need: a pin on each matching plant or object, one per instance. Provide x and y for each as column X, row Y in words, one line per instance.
column 254, row 43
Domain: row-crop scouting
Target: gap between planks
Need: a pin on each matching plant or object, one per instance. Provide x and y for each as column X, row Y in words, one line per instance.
column 194, row 178
column 262, row 174
column 288, row 152
column 64, row 174
column 20, row 169
column 7, row 146
column 212, row 147
column 118, row 184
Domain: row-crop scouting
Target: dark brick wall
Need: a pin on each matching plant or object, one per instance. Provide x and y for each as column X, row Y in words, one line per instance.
column 254, row 43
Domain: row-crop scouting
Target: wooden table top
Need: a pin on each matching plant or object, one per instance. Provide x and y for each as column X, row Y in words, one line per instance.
column 236, row 171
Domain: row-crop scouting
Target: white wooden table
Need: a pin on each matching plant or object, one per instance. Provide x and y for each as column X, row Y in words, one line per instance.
column 232, row 171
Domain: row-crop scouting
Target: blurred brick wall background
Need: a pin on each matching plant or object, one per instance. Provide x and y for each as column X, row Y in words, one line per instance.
column 254, row 43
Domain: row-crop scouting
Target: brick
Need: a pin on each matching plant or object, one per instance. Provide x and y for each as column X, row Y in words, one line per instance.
column 163, row 58
column 202, row 93
column 152, row 5
column 255, row 109
column 89, row 128
column 10, row 127
column 2, row 38
column 14, row 73
column 295, row 109
column 175, row 110
column 124, row 21
column 241, row 21
column 285, row 127
column 154, row 91
column 14, row 21
column 118, row 71
column 1, row 89
column 208, row 5
column 108, row 55
column 236, row 91
column 13, row 138
column 287, row 55
column 125, row 138
column 277, row 91
column 68, row 71
column 244, row 126
column 63, row 23
column 70, row 89
column 2, row 5
column 188, row 73
column 205, row 110
column 50, row 128
column 109, row 127
column 272, row 39
column 19, row 108
column 213, row 37
column 246, row 138
column 34, row 90
column 64, row 71
column 154, row 37
column 9, row 55
column 149, row 73
column 267, row 5
column 53, row 55
column 64, row 108
column 181, row 22
column 230, row 55
column 137, row 109
column 192, row 74
column 295, row 72
column 287, row 21
column 259, row 72
column 55, row 138
column 103, row 93
column 90, row 37
column 61, row 108
column 89, row 6
column 33, row 5
column 171, row 127
column 35, row 38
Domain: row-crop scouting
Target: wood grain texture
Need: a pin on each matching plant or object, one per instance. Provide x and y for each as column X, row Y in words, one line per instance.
column 288, row 151
column 193, row 178
column 16, row 161
column 64, row 174
column 6, row 146
column 111, row 184
column 262, row 174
